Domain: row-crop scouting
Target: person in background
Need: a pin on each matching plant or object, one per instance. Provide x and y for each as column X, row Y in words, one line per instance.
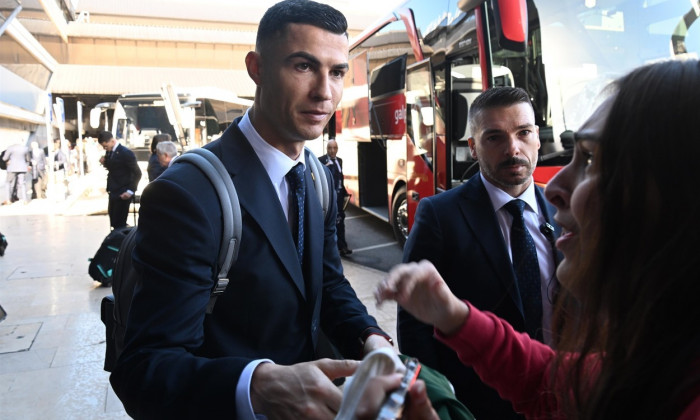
column 123, row 175
column 154, row 167
column 60, row 159
column 18, row 159
column 627, row 314
column 256, row 353
column 73, row 158
column 166, row 152
column 335, row 164
column 468, row 234
column 39, row 176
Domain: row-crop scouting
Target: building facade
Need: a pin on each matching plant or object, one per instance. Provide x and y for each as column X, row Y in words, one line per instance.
column 60, row 58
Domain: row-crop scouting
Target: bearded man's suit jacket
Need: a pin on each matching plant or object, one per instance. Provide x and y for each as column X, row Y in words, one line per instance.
column 458, row 232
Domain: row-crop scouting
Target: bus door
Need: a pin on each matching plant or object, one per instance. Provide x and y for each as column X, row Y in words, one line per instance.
column 384, row 156
column 426, row 135
column 420, row 140
column 353, row 126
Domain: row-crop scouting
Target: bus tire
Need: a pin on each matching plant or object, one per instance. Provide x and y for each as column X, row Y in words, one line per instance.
column 399, row 216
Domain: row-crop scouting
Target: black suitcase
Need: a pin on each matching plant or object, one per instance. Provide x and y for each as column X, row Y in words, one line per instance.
column 3, row 244
column 101, row 266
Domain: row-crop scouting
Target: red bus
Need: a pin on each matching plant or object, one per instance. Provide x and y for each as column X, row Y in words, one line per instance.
column 402, row 122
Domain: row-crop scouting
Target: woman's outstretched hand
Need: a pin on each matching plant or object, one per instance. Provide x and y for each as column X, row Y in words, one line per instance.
column 419, row 289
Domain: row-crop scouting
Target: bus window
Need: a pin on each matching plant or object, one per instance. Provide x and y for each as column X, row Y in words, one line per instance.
column 387, row 84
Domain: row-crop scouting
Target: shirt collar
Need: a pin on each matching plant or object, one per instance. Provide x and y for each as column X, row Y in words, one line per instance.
column 500, row 198
column 276, row 163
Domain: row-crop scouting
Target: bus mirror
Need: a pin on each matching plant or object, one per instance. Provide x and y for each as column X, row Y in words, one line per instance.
column 511, row 23
column 95, row 117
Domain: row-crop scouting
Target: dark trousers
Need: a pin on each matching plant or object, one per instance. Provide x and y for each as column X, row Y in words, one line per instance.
column 118, row 211
column 39, row 185
column 340, row 228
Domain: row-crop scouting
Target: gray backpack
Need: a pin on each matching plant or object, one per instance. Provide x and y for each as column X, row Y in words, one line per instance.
column 115, row 307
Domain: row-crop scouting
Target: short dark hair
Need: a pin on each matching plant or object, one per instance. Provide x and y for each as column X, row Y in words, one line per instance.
column 158, row 138
column 497, row 97
column 104, row 137
column 275, row 20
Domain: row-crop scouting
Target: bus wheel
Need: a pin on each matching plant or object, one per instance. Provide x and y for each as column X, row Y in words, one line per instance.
column 399, row 217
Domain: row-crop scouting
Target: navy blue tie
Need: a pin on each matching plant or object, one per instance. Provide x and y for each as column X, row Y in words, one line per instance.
column 297, row 188
column 527, row 269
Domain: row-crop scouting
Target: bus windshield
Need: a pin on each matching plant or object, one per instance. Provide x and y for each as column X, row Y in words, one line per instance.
column 587, row 44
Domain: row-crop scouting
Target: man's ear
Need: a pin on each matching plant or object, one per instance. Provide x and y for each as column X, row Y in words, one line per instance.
column 253, row 63
column 472, row 147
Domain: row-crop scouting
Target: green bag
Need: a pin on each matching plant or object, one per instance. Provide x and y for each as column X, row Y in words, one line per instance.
column 441, row 394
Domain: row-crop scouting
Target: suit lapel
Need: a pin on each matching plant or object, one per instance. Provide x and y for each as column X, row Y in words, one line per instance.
column 475, row 206
column 549, row 211
column 258, row 198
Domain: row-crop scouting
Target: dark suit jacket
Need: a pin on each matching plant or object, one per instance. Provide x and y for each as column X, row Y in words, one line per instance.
column 458, row 232
column 180, row 363
column 123, row 171
column 154, row 167
column 338, row 177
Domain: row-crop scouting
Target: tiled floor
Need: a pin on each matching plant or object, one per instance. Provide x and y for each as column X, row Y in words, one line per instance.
column 52, row 341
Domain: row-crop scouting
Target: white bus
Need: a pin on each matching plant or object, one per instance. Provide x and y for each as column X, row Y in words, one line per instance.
column 193, row 117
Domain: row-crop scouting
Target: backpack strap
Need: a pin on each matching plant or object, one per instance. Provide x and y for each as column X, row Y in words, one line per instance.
column 320, row 180
column 210, row 165
column 217, row 174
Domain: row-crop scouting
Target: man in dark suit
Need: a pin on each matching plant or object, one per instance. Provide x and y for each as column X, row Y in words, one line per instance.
column 256, row 353
column 465, row 233
column 335, row 164
column 123, row 175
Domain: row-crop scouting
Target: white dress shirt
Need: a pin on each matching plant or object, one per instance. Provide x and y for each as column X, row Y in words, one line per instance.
column 276, row 163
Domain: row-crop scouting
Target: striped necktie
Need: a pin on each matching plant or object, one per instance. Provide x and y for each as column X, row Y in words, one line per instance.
column 295, row 178
column 527, row 269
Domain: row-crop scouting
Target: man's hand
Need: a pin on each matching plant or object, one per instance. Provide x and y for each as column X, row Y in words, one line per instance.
column 125, row 195
column 376, row 341
column 301, row 391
